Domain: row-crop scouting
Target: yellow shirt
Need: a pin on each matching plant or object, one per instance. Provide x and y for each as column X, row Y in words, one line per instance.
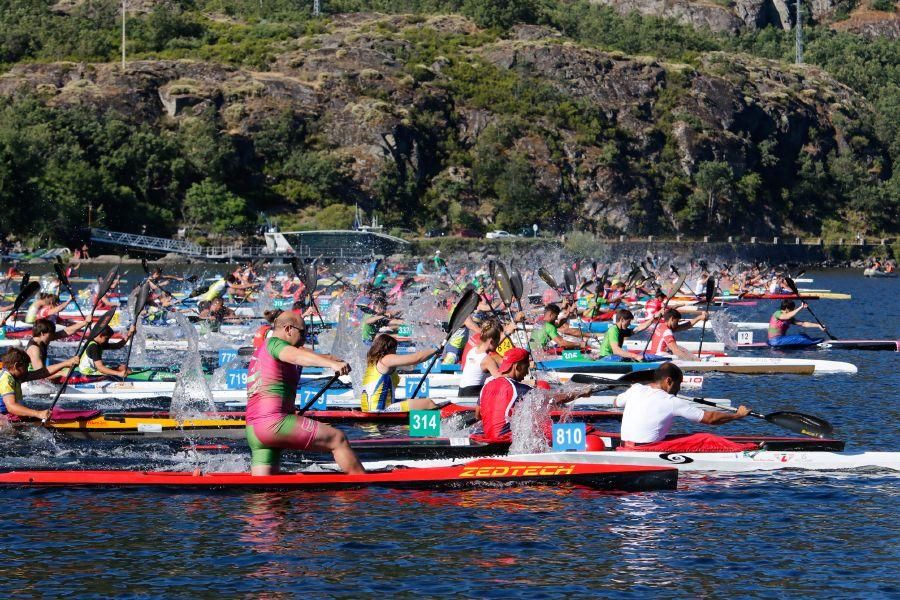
column 9, row 387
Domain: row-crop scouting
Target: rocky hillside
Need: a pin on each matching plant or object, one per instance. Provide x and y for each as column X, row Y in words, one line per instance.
column 431, row 121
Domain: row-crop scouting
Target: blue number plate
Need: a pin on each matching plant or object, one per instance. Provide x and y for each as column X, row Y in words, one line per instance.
column 569, row 437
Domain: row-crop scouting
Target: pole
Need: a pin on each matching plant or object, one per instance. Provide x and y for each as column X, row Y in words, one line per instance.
column 123, row 33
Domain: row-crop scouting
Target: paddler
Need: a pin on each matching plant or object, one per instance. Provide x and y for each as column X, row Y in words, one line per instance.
column 15, row 372
column 91, row 363
column 44, row 332
column 381, row 318
column 663, row 340
column 481, row 360
column 498, row 397
column 650, row 410
column 272, row 379
column 611, row 348
column 546, row 331
column 380, row 378
column 782, row 319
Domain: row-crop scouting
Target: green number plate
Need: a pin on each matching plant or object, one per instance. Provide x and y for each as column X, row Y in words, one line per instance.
column 424, row 423
column 404, row 331
column 570, row 354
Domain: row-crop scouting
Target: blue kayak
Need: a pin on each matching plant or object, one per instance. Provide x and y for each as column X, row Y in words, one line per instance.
column 595, row 366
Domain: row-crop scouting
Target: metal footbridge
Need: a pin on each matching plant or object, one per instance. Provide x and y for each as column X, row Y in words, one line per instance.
column 341, row 245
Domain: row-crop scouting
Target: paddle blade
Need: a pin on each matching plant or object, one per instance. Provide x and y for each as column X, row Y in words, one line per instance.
column 800, row 423
column 548, row 278
column 27, row 292
column 515, row 281
column 296, row 265
column 492, row 268
column 792, row 285
column 592, row 380
column 61, row 274
column 25, row 279
column 107, row 282
column 144, row 266
column 312, row 278
column 570, row 280
column 677, row 287
column 99, row 326
column 141, row 302
column 501, row 280
column 710, row 289
column 466, row 305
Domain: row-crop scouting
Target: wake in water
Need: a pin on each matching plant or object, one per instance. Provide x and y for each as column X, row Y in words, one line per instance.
column 192, row 395
column 724, row 330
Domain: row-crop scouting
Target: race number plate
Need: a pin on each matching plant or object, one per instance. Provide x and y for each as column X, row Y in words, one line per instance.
column 569, row 437
column 424, row 423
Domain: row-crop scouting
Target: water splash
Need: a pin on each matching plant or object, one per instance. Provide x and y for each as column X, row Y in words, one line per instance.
column 192, row 395
column 527, row 423
column 724, row 330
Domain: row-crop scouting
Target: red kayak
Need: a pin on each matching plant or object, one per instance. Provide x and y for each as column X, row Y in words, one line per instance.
column 471, row 474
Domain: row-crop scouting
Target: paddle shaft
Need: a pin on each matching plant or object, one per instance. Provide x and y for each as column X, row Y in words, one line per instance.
column 709, row 298
column 661, row 313
column 825, row 329
column 318, row 395
column 74, row 300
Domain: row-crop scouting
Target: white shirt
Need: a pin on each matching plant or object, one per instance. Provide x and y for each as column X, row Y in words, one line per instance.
column 472, row 373
column 649, row 413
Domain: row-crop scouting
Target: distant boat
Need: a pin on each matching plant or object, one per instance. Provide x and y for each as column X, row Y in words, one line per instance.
column 872, row 272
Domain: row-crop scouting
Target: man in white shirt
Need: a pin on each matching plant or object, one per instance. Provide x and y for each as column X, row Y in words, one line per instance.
column 650, row 410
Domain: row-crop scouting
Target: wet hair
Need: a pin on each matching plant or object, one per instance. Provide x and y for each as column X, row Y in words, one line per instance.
column 624, row 313
column 382, row 345
column 552, row 308
column 16, row 357
column 491, row 331
column 667, row 370
column 671, row 313
column 788, row 305
column 271, row 315
column 106, row 332
column 42, row 326
column 230, row 278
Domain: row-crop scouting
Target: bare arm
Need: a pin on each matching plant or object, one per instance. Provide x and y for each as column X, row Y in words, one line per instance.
column 490, row 365
column 717, row 417
column 307, row 358
column 405, row 360
column 20, row 410
column 70, row 330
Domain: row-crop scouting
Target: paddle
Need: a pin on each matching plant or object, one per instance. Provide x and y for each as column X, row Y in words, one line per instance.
column 794, row 289
column 139, row 303
column 25, row 279
column 101, row 292
column 27, row 292
column 642, row 376
column 710, row 292
column 669, row 296
column 102, row 324
column 803, row 424
column 318, row 394
column 504, row 287
column 548, row 278
column 467, row 303
column 515, row 280
column 570, row 280
column 63, row 279
column 310, row 279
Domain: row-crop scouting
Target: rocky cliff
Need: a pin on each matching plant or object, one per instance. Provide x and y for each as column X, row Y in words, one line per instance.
column 381, row 98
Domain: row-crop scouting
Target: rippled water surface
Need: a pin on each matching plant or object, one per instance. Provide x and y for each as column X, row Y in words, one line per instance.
column 784, row 534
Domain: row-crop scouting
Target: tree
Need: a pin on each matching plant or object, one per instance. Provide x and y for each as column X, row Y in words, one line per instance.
column 715, row 180
column 210, row 206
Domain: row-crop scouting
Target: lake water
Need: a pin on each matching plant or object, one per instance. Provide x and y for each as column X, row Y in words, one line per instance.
column 787, row 534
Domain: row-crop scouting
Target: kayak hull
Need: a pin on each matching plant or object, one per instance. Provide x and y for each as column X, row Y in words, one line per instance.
column 491, row 472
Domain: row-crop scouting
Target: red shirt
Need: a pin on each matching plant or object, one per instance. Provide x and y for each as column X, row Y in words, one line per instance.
column 496, row 402
column 661, row 340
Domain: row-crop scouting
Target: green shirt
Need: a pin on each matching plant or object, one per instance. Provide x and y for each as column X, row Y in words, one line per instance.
column 613, row 334
column 542, row 336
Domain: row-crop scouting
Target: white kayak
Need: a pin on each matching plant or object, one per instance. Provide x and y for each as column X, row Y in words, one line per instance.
column 754, row 460
column 765, row 365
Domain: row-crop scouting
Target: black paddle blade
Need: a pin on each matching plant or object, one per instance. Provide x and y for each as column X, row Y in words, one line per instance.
column 144, row 266
column 101, row 324
column 107, row 282
column 466, row 305
column 674, row 270
column 515, row 281
column 501, row 280
column 296, row 265
column 25, row 279
column 61, row 274
column 548, row 278
column 677, row 287
column 807, row 425
column 592, row 380
column 492, row 268
column 141, row 302
column 792, row 285
column 710, row 289
column 570, row 280
column 312, row 278
column 59, row 260
column 27, row 292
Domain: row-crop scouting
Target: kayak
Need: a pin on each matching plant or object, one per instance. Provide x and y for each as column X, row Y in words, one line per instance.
column 872, row 345
column 870, row 272
column 726, row 364
column 727, row 462
column 150, row 424
column 471, row 474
